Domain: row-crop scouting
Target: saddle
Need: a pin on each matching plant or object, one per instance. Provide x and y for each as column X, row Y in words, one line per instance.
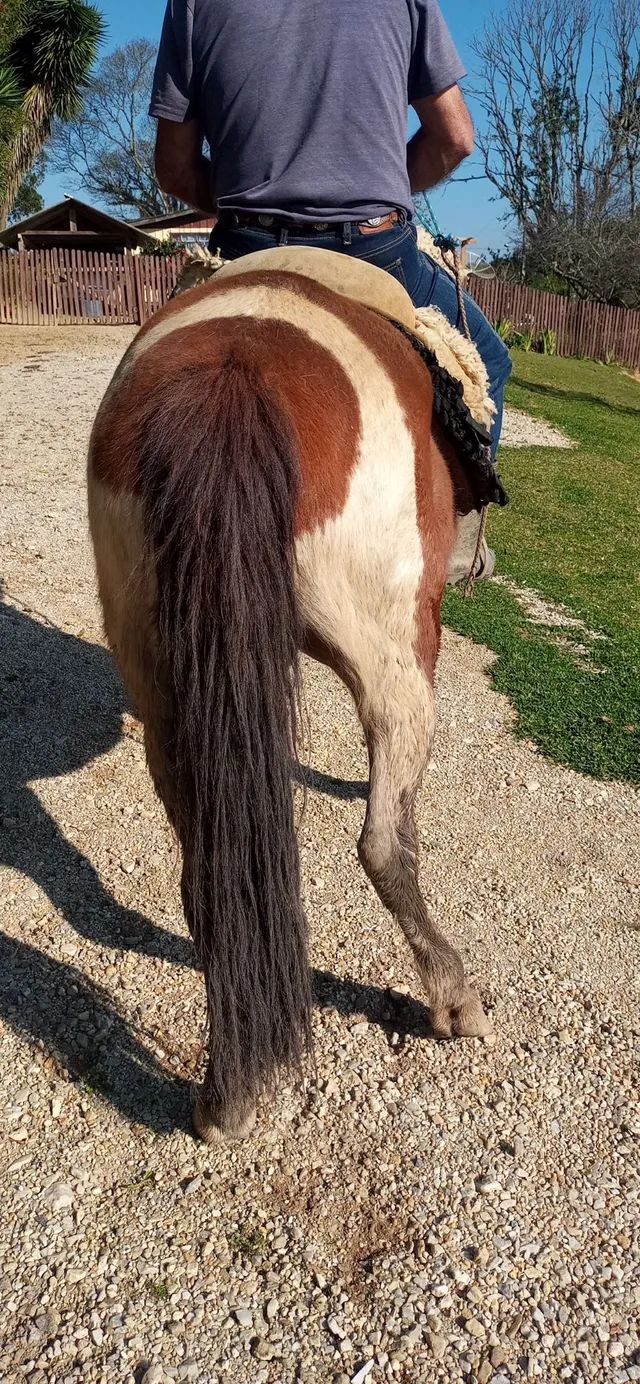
column 461, row 394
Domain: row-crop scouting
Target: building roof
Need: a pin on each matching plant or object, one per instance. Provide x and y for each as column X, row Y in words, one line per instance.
column 176, row 220
column 73, row 223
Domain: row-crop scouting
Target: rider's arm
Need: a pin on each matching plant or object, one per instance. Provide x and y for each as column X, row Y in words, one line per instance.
column 444, row 139
column 182, row 169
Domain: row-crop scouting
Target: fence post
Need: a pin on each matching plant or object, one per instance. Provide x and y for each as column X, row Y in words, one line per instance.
column 139, row 287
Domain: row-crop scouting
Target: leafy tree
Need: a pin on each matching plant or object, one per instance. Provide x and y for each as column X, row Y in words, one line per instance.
column 11, row 95
column 109, row 145
column 51, row 57
column 28, row 200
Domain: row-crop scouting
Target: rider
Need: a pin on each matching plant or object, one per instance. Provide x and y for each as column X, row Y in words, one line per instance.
column 304, row 109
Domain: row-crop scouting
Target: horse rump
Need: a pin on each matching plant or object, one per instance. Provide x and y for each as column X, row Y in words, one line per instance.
column 219, row 480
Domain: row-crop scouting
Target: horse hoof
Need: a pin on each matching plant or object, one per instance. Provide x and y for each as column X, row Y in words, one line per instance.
column 465, row 1020
column 211, row 1129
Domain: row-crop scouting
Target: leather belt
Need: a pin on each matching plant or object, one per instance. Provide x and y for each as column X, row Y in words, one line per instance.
column 265, row 222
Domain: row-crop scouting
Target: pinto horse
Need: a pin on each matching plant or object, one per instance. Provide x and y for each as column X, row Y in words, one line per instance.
column 266, row 476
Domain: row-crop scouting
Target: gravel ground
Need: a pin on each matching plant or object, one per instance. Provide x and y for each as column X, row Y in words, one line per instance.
column 424, row 1211
column 519, row 429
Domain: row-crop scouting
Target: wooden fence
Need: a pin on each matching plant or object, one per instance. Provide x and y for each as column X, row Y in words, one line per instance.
column 581, row 327
column 59, row 288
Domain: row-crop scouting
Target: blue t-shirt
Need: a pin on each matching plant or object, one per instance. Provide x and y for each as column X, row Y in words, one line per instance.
column 304, row 102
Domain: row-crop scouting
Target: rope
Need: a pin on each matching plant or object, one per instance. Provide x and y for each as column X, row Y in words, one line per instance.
column 425, row 214
column 474, row 571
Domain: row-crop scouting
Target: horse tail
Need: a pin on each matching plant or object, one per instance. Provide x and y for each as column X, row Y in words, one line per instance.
column 220, row 490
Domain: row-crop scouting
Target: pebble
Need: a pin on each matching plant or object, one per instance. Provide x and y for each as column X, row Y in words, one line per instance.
column 437, row 1344
column 335, row 1327
column 154, row 1375
column 263, row 1350
column 59, row 1196
column 243, row 1316
column 363, row 1373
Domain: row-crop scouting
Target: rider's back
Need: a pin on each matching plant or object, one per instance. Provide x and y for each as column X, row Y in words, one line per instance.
column 304, row 102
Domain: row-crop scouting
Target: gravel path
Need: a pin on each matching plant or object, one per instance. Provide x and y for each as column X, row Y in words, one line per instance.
column 426, row 1211
column 519, row 429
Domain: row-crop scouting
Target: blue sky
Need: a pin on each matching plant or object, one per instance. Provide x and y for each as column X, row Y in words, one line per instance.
column 461, row 208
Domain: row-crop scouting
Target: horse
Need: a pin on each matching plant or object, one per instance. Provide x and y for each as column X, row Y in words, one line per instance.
column 267, row 477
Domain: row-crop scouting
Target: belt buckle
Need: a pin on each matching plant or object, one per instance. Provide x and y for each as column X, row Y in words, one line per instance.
column 264, row 220
column 375, row 220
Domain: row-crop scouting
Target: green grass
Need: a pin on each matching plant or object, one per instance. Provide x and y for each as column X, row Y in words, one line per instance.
column 248, row 1240
column 572, row 534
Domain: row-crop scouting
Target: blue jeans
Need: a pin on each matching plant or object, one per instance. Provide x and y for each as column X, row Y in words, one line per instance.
column 395, row 250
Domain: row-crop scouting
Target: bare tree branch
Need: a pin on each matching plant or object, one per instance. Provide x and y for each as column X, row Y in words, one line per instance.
column 559, row 83
column 109, row 148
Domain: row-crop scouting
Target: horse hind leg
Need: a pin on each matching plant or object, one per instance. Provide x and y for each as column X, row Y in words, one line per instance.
column 396, row 707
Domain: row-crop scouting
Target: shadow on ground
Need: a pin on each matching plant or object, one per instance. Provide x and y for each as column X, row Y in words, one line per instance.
column 344, row 789
column 61, row 707
column 546, row 390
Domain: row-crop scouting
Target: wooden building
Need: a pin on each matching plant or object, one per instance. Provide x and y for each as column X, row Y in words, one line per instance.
column 185, row 229
column 74, row 225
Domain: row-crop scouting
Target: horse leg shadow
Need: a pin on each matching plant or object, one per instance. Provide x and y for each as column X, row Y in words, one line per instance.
column 35, row 846
column 77, row 1027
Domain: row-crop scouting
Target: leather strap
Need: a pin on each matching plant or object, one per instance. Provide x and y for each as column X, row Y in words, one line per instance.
column 264, row 222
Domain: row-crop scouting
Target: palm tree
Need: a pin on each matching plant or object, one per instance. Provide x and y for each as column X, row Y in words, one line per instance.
column 11, row 94
column 51, row 60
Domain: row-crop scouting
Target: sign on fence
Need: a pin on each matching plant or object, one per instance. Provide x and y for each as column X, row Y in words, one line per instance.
column 59, row 288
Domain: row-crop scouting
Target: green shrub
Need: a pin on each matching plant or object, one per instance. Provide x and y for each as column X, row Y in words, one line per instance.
column 504, row 328
column 524, row 340
column 162, row 247
column 548, row 341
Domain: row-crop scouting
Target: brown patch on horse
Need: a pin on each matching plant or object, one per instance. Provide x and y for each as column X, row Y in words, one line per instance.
column 306, row 379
